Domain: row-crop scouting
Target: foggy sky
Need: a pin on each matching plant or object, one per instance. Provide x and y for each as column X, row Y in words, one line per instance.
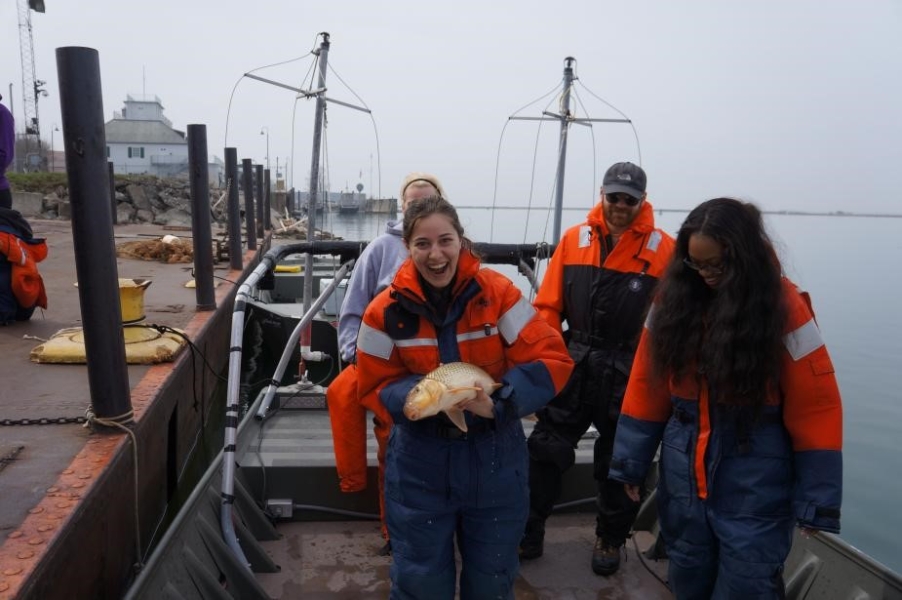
column 793, row 105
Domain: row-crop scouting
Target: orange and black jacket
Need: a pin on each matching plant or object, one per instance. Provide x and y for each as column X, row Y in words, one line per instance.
column 488, row 323
column 23, row 255
column 603, row 292
column 789, row 456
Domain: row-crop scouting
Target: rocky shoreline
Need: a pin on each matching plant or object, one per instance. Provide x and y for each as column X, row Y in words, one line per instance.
column 139, row 199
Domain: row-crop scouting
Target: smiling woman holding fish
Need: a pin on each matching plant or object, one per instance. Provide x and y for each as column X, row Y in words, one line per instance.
column 457, row 459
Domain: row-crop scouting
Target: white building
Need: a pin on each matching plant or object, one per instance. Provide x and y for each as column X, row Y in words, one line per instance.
column 141, row 140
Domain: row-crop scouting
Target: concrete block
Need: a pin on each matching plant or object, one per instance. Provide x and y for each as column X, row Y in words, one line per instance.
column 29, row 204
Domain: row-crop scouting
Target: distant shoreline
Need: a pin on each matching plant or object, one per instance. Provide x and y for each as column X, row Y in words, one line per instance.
column 803, row 213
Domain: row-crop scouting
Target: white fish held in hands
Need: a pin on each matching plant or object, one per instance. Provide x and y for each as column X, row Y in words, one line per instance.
column 442, row 389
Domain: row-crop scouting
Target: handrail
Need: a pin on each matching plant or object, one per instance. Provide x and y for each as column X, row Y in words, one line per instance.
column 263, row 410
column 347, row 251
column 512, row 254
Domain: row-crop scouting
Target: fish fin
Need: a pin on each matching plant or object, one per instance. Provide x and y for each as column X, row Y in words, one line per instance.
column 463, row 388
column 457, row 417
column 495, row 387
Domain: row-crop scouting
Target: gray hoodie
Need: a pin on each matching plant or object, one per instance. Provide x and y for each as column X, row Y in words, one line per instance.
column 373, row 272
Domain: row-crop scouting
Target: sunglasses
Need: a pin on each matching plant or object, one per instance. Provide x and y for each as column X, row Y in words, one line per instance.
column 624, row 198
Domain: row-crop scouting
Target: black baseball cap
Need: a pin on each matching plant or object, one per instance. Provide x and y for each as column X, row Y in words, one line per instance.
column 625, row 177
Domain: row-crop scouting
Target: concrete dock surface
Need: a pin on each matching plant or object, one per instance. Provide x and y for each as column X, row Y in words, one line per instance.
column 46, row 470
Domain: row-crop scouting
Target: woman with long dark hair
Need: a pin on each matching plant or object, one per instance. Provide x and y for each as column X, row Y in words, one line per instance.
column 733, row 377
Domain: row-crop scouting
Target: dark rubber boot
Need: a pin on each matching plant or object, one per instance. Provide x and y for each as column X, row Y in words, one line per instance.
column 605, row 558
column 532, row 544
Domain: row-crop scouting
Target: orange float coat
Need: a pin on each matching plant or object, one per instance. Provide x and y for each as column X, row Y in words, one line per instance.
column 733, row 483
column 373, row 272
column 808, row 406
column 23, row 256
column 382, row 357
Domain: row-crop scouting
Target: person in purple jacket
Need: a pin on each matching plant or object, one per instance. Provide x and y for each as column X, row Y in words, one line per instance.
column 7, row 152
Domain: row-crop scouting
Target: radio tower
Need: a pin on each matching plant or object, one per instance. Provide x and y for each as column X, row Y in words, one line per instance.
column 32, row 87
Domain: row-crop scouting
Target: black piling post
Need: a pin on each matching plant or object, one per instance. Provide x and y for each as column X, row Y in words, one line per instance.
column 113, row 204
column 259, row 196
column 200, row 217
column 235, row 255
column 81, row 104
column 267, row 200
column 249, row 221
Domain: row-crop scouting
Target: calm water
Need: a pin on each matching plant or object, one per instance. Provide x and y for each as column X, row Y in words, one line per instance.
column 846, row 264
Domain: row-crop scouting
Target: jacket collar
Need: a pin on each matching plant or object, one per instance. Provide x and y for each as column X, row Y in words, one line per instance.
column 642, row 224
column 407, row 281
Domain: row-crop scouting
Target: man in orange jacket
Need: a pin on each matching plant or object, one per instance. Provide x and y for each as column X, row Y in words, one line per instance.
column 600, row 281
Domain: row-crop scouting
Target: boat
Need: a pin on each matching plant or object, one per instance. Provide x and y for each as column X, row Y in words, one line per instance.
column 350, row 202
column 268, row 520
column 319, row 206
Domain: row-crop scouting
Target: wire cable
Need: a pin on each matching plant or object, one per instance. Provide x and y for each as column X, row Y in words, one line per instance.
column 235, row 88
column 622, row 114
column 498, row 159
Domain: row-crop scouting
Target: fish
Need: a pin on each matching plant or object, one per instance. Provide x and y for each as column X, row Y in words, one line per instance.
column 442, row 389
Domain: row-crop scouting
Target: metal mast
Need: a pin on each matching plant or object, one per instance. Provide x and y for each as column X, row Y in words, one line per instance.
column 313, row 192
column 565, row 119
column 320, row 93
column 32, row 87
column 562, row 152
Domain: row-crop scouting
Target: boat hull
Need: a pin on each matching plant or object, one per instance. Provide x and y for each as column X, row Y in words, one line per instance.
column 292, row 521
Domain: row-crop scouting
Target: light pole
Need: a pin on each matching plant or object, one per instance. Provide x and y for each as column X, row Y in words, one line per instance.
column 265, row 130
column 52, row 149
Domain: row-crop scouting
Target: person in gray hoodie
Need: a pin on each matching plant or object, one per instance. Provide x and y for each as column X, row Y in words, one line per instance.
column 373, row 272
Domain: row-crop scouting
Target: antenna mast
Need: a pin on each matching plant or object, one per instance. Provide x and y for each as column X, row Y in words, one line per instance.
column 565, row 118
column 562, row 151
column 32, row 87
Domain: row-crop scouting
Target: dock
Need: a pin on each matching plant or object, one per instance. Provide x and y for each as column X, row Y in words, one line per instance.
column 72, row 511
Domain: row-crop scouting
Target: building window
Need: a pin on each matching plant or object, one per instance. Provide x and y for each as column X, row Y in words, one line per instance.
column 136, row 151
column 107, row 151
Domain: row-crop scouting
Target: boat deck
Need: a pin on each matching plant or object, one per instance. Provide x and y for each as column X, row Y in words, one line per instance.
column 303, row 537
column 287, row 462
column 292, row 456
column 339, row 560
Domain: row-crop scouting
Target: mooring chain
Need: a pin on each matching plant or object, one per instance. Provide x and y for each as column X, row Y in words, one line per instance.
column 44, row 421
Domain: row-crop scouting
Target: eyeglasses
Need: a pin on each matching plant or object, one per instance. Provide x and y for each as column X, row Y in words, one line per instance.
column 709, row 269
column 625, row 198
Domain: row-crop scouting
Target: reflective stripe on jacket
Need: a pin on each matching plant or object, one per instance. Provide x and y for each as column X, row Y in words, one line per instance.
column 489, row 324
column 603, row 294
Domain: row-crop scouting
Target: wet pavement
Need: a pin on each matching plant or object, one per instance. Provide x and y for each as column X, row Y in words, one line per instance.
column 34, row 458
